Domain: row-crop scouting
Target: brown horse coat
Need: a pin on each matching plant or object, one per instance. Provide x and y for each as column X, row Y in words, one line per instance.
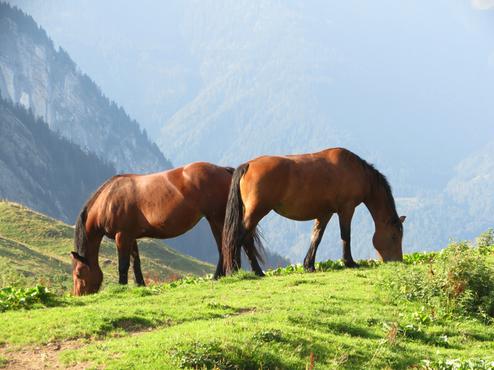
column 312, row 186
column 159, row 205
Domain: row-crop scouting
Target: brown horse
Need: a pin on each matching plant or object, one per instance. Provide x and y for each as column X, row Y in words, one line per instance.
column 311, row 186
column 159, row 205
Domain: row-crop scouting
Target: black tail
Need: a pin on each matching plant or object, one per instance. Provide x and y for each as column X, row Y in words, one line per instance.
column 80, row 237
column 234, row 232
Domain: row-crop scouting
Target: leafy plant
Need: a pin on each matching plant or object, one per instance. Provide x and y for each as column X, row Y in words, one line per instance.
column 418, row 258
column 485, row 242
column 458, row 281
column 15, row 298
column 457, row 364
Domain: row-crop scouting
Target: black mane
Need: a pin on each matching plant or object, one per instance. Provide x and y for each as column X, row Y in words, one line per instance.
column 380, row 181
column 80, row 238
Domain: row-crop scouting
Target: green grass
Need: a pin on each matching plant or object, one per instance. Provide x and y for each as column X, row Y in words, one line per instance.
column 340, row 318
column 334, row 318
column 35, row 248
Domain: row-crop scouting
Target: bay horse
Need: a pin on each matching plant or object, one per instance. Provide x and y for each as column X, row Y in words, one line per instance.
column 307, row 187
column 158, row 205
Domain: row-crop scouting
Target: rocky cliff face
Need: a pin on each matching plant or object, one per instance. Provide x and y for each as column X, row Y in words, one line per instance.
column 47, row 81
column 43, row 170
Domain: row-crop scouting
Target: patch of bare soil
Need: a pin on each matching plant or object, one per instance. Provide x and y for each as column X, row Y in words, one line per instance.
column 39, row 357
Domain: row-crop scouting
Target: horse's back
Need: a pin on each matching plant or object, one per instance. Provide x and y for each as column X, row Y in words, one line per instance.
column 305, row 185
column 142, row 204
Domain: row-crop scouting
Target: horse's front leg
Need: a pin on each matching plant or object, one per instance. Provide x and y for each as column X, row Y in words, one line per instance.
column 124, row 248
column 136, row 265
column 345, row 217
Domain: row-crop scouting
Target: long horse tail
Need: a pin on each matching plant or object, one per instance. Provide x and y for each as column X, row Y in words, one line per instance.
column 234, row 231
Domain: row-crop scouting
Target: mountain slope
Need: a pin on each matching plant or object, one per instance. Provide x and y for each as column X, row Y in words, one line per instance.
column 41, row 169
column 48, row 82
column 38, row 247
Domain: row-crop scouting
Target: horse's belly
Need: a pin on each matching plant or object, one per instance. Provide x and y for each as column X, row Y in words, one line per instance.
column 304, row 211
column 173, row 225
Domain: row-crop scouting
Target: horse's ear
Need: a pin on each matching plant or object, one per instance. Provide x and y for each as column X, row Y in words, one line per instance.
column 403, row 218
column 76, row 257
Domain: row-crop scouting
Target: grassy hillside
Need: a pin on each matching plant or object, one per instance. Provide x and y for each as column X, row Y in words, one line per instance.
column 35, row 248
column 340, row 318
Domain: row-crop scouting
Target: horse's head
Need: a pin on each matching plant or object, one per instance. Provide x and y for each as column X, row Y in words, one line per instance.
column 87, row 280
column 387, row 240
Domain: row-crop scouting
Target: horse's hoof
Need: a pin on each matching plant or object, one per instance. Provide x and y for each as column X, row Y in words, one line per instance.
column 351, row 264
column 309, row 269
column 260, row 273
column 218, row 276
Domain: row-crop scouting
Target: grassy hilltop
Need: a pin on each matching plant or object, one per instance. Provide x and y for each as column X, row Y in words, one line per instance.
column 35, row 248
column 433, row 312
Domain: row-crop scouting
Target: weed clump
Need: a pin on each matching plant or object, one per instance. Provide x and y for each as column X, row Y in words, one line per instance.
column 17, row 298
column 457, row 364
column 457, row 281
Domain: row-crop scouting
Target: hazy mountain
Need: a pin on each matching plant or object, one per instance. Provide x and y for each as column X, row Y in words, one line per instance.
column 43, row 170
column 40, row 167
column 407, row 86
column 472, row 187
column 47, row 81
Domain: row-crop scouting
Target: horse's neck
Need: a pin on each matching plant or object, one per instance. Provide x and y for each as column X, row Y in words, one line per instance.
column 380, row 205
column 92, row 253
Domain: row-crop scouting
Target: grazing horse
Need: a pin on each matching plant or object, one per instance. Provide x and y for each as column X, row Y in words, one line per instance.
column 159, row 205
column 307, row 187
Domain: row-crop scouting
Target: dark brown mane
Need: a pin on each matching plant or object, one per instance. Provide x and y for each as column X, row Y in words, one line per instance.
column 80, row 239
column 380, row 181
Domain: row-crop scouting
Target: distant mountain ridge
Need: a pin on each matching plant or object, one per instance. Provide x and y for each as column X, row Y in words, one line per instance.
column 48, row 82
column 43, row 170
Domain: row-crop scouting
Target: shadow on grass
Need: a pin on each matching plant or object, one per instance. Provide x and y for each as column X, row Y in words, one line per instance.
column 239, row 276
column 128, row 324
column 335, row 327
column 215, row 354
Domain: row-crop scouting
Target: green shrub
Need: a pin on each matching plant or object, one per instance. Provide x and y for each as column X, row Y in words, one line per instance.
column 418, row 258
column 457, row 281
column 486, row 239
column 16, row 298
column 457, row 364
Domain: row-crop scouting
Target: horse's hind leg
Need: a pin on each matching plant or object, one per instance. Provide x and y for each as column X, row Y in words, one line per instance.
column 136, row 264
column 124, row 247
column 253, row 215
column 251, row 255
column 345, row 217
column 317, row 233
